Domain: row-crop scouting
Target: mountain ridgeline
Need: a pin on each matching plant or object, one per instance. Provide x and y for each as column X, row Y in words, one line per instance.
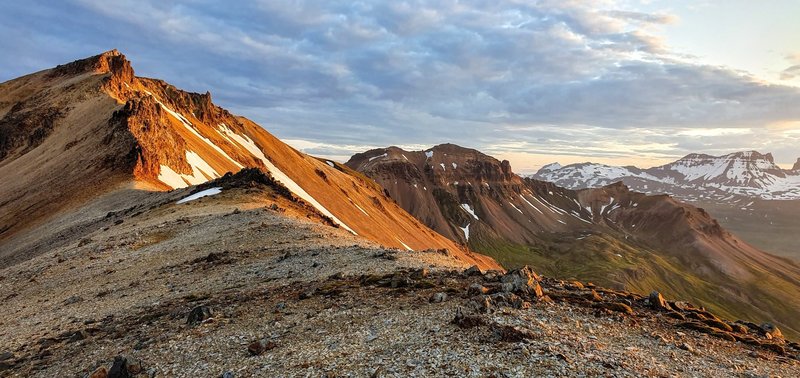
column 693, row 177
column 610, row 235
column 82, row 130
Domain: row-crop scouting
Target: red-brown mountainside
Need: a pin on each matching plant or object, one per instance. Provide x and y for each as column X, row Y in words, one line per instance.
column 610, row 234
column 76, row 131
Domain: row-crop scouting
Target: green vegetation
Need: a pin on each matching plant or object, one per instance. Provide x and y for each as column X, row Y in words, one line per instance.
column 611, row 262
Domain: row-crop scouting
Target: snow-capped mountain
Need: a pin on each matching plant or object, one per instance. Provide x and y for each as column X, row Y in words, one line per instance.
column 693, row 177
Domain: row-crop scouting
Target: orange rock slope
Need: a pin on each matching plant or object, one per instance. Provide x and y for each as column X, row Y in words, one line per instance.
column 91, row 126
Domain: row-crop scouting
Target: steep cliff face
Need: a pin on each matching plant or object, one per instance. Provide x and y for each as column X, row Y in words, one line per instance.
column 609, row 234
column 91, row 126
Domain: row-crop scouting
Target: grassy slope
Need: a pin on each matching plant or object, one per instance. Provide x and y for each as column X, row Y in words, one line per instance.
column 771, row 226
column 611, row 262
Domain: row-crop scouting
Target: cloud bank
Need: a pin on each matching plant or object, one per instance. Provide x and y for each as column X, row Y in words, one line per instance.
column 525, row 78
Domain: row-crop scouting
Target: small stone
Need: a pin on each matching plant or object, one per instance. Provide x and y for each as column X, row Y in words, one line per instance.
column 481, row 303
column 576, row 285
column 100, row 372
column 124, row 367
column 399, row 281
column 228, row 374
column 77, row 336
column 718, row 325
column 658, row 302
column 199, row 314
column 73, row 299
column 686, row 347
column 420, row 273
column 477, row 289
column 306, row 294
column 681, row 305
column 473, row 271
column 676, row 315
column 772, row 330
column 255, row 348
column 6, row 356
column 615, row 306
column 438, row 297
column 511, row 334
column 466, row 321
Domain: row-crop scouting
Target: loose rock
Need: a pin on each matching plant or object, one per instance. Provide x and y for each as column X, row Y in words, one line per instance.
column 658, row 302
column 438, row 297
column 199, row 314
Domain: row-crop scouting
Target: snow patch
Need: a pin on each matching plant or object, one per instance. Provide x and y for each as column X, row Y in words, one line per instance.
column 278, row 175
column 429, row 154
column 469, row 210
column 455, row 165
column 466, row 231
column 188, row 125
column 330, row 163
column 443, row 168
column 362, row 210
column 531, row 205
column 201, row 172
column 378, row 157
column 404, row 244
column 201, row 194
column 171, row 178
column 515, row 207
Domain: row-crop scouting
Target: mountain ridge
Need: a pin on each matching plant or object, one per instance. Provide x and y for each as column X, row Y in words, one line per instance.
column 611, row 234
column 695, row 176
column 106, row 129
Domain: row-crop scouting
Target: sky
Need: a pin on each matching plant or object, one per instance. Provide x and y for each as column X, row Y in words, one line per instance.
column 627, row 82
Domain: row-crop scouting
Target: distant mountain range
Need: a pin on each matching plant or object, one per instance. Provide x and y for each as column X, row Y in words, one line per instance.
column 695, row 177
column 608, row 235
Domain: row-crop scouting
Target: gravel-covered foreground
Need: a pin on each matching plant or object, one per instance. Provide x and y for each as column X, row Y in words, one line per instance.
column 226, row 287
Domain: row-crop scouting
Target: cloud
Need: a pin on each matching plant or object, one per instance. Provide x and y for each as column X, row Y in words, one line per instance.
column 560, row 77
column 791, row 72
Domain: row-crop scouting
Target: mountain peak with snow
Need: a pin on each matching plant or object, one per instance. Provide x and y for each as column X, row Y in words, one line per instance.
column 694, row 176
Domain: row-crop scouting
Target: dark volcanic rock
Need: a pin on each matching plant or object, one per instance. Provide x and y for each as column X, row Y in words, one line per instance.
column 199, row 314
column 124, row 367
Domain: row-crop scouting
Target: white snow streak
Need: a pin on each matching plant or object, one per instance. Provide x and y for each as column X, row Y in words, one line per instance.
column 201, row 194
